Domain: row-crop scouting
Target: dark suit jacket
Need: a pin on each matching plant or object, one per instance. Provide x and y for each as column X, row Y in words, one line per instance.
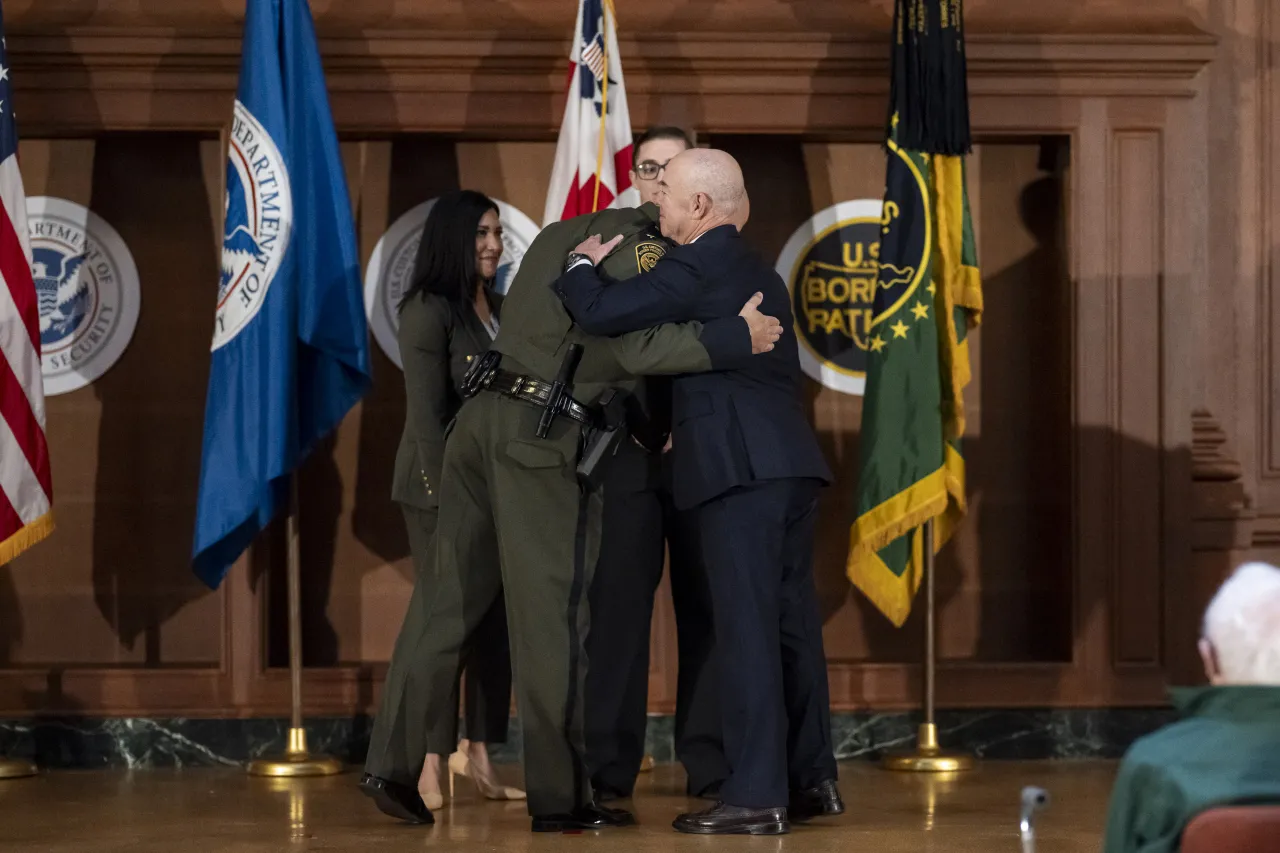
column 731, row 427
column 437, row 341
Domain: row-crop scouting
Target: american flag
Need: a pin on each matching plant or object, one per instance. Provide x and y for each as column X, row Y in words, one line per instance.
column 26, row 490
column 593, row 56
column 593, row 156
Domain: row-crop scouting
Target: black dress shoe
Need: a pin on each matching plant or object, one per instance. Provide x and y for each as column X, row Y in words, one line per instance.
column 722, row 819
column 821, row 800
column 583, row 817
column 396, row 799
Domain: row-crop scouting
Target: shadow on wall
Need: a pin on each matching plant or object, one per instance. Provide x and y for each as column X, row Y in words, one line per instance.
column 152, row 401
column 422, row 167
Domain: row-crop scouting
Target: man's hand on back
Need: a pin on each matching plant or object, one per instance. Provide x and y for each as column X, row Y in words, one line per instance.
column 594, row 249
column 764, row 329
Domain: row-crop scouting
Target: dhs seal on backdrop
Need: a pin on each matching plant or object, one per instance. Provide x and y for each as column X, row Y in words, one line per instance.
column 830, row 264
column 391, row 265
column 259, row 217
column 87, row 289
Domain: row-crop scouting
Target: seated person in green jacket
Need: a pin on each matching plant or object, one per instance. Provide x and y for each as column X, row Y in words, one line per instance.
column 1226, row 750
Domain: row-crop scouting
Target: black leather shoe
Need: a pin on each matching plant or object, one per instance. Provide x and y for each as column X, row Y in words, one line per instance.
column 822, row 800
column 583, row 817
column 722, row 819
column 396, row 799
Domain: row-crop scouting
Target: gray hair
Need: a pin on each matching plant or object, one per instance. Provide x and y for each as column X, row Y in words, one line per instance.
column 1243, row 624
column 717, row 174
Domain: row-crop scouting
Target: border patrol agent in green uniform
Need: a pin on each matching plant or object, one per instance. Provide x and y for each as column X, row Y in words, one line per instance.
column 508, row 489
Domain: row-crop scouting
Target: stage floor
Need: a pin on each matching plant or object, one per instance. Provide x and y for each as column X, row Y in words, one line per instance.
column 168, row 811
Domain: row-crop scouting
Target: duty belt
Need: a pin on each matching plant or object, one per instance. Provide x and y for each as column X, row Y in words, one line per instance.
column 537, row 392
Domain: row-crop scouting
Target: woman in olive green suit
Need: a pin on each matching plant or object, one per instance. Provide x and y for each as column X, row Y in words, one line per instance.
column 448, row 316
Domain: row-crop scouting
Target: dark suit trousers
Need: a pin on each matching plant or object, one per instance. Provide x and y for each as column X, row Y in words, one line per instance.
column 638, row 516
column 403, row 729
column 757, row 542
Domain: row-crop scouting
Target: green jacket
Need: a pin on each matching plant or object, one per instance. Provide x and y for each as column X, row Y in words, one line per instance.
column 1225, row 751
column 537, row 328
column 437, row 342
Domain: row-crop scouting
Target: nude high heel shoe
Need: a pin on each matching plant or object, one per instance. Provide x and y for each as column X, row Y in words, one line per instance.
column 460, row 765
column 434, row 802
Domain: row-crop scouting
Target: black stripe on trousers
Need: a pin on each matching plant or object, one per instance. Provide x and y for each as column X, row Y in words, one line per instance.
column 575, row 641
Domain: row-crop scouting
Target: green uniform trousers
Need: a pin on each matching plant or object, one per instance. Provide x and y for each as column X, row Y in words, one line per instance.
column 407, row 721
column 503, row 487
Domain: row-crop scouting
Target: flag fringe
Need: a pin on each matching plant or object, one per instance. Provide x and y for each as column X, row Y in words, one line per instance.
column 27, row 536
column 940, row 495
column 961, row 286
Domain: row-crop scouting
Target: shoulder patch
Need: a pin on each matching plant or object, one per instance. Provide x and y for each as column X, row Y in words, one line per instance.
column 648, row 254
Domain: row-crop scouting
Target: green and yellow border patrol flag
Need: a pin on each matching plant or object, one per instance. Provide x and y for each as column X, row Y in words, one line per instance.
column 928, row 296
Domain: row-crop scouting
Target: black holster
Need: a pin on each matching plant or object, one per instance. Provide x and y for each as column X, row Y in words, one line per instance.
column 601, row 441
column 479, row 373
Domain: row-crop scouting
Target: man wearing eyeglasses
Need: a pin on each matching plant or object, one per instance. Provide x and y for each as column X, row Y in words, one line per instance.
column 639, row 516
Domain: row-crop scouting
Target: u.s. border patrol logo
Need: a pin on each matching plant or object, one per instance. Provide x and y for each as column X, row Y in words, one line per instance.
column 391, row 265
column 87, row 290
column 648, row 254
column 831, row 264
column 259, row 217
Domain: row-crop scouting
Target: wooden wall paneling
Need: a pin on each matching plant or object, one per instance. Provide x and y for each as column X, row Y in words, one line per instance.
column 510, row 83
column 1096, row 506
column 1232, row 107
column 1268, row 385
column 1010, row 560
column 515, row 172
column 1137, row 211
column 376, row 522
column 125, row 452
column 750, row 16
column 1187, row 280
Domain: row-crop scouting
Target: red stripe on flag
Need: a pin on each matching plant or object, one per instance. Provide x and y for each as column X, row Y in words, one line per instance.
column 17, row 274
column 10, row 522
column 622, row 168
column 587, row 197
column 571, row 201
column 580, row 199
column 16, row 411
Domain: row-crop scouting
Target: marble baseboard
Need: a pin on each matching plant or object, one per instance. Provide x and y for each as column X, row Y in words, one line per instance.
column 144, row 742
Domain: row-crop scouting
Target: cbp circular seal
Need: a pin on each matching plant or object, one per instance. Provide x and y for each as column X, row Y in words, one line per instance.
column 391, row 265
column 830, row 264
column 259, row 217
column 87, row 290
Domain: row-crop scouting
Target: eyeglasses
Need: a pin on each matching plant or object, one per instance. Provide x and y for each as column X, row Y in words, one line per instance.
column 648, row 170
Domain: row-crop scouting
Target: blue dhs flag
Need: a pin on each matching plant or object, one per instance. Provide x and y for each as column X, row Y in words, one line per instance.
column 290, row 345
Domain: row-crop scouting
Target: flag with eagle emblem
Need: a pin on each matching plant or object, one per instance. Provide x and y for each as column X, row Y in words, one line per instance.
column 290, row 344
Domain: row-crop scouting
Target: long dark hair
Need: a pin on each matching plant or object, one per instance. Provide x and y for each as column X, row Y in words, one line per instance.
column 446, row 261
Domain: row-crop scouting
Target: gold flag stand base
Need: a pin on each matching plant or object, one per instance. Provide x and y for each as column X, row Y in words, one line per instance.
column 646, row 764
column 296, row 761
column 927, row 757
column 17, row 768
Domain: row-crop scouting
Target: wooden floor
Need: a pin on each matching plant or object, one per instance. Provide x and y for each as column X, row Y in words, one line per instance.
column 165, row 811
